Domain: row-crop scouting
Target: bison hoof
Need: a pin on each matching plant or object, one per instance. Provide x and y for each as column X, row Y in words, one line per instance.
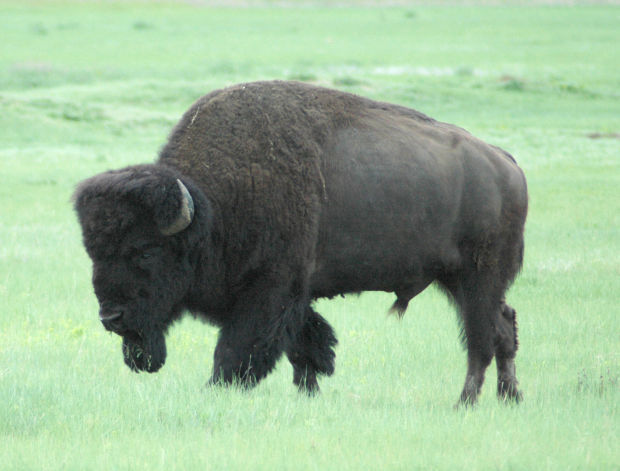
column 306, row 382
column 466, row 402
column 470, row 393
column 308, row 386
column 244, row 382
column 507, row 391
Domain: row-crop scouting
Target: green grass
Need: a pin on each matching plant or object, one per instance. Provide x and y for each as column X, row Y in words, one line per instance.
column 90, row 86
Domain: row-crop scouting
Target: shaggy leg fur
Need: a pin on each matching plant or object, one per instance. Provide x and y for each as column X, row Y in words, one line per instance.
column 242, row 363
column 506, row 345
column 312, row 352
column 248, row 347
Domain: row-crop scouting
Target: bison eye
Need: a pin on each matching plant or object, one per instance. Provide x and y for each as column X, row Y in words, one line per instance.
column 143, row 257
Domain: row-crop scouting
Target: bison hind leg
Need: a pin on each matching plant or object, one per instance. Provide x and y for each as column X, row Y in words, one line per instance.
column 506, row 345
column 477, row 297
column 311, row 353
column 489, row 329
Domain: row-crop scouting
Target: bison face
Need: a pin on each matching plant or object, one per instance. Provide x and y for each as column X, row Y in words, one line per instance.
column 140, row 290
column 133, row 223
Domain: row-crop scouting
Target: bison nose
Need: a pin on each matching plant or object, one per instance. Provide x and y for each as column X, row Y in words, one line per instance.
column 112, row 321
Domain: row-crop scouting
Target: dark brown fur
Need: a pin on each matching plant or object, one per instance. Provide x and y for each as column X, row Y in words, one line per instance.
column 303, row 192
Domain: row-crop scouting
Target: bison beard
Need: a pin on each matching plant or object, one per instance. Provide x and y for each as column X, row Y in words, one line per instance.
column 270, row 195
column 144, row 354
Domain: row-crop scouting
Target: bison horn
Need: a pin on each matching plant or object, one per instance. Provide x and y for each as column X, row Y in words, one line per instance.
column 186, row 212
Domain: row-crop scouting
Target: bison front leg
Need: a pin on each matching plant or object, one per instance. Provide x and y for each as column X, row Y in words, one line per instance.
column 242, row 358
column 254, row 337
column 506, row 345
column 312, row 352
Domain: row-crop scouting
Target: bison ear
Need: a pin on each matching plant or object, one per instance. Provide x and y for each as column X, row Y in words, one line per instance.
column 176, row 212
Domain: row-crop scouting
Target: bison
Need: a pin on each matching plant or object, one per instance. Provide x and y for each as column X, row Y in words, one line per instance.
column 269, row 195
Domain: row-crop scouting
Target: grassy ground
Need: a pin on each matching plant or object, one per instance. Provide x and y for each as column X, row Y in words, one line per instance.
column 92, row 86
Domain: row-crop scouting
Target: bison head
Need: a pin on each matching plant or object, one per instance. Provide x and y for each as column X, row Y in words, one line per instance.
column 134, row 224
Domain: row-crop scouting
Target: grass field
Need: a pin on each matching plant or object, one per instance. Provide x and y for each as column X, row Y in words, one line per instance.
column 90, row 86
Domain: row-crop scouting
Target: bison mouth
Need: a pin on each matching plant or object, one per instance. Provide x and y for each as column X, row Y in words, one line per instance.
column 144, row 352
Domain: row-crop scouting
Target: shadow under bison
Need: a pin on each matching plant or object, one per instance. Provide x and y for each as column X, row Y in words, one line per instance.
column 270, row 195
